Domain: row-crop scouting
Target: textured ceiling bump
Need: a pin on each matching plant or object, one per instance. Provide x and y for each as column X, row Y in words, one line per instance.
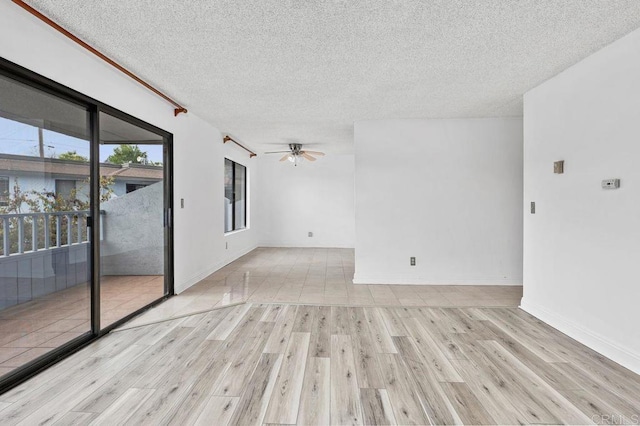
column 272, row 71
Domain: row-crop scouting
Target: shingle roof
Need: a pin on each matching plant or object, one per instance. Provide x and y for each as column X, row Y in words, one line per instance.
column 21, row 164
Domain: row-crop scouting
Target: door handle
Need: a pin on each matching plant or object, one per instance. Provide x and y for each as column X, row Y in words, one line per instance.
column 167, row 217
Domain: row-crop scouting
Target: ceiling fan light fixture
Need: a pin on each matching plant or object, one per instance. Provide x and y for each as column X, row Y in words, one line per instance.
column 296, row 154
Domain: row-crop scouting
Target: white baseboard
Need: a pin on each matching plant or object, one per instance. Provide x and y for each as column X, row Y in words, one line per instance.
column 595, row 341
column 418, row 281
column 280, row 244
column 196, row 278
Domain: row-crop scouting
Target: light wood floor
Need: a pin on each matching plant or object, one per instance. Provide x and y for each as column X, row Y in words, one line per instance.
column 316, row 276
column 296, row 364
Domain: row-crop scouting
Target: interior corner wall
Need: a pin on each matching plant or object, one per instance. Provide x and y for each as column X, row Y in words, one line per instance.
column 200, row 244
column 582, row 246
column 447, row 192
column 311, row 197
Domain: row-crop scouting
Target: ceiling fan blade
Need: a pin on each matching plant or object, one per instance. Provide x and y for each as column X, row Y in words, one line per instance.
column 285, row 158
column 307, row 156
column 276, row 152
column 314, row 152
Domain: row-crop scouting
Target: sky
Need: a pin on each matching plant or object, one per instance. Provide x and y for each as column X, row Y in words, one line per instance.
column 21, row 139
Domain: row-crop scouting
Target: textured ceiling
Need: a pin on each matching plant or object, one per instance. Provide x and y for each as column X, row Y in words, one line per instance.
column 274, row 71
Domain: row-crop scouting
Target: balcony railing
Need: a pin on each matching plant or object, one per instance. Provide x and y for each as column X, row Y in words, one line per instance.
column 30, row 232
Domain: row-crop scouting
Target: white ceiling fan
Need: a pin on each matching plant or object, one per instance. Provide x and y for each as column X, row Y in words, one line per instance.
column 296, row 154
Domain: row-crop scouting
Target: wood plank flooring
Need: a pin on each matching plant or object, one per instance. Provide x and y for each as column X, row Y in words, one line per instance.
column 260, row 364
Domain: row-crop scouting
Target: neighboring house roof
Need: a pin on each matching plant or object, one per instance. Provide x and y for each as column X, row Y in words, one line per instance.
column 22, row 164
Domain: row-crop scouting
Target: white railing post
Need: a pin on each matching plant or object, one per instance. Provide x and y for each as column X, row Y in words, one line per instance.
column 69, row 229
column 5, row 236
column 20, row 234
column 58, row 231
column 34, row 233
column 47, row 231
column 79, row 227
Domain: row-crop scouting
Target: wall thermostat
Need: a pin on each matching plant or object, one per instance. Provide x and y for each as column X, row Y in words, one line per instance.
column 611, row 183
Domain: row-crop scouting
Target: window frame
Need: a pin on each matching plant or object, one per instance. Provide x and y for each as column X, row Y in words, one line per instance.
column 234, row 228
column 5, row 202
column 60, row 183
column 132, row 186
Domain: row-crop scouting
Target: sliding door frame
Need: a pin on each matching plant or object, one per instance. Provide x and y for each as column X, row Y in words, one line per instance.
column 94, row 194
column 94, row 108
column 167, row 170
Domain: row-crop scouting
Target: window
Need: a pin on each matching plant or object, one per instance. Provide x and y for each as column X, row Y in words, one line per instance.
column 66, row 189
column 235, row 196
column 4, row 191
column 130, row 187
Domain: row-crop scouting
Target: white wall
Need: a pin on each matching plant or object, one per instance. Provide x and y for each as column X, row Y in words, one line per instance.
column 582, row 247
column 312, row 197
column 132, row 241
column 198, row 149
column 448, row 192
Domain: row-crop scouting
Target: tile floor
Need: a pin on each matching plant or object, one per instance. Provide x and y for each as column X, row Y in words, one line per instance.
column 31, row 329
column 316, row 276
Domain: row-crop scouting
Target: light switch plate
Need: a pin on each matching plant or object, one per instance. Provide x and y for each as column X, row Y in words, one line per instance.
column 558, row 167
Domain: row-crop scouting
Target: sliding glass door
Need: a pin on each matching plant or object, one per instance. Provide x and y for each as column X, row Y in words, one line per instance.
column 133, row 215
column 85, row 220
column 45, row 260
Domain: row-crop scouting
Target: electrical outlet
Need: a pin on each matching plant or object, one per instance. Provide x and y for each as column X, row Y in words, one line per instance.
column 611, row 184
column 412, row 261
column 533, row 207
column 310, row 234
